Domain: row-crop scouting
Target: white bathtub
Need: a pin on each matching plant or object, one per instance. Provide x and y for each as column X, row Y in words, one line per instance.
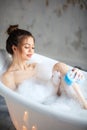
column 28, row 115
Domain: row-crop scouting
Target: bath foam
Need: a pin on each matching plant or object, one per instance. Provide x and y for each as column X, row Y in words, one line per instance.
column 40, row 87
column 36, row 90
column 42, row 91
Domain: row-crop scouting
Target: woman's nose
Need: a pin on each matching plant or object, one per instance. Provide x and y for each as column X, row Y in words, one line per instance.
column 30, row 49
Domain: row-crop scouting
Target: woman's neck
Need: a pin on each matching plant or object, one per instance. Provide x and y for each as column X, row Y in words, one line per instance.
column 18, row 64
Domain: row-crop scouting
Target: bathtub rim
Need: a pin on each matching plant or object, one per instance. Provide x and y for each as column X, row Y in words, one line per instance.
column 10, row 94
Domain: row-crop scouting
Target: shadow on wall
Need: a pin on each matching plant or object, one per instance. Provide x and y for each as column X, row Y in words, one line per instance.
column 78, row 43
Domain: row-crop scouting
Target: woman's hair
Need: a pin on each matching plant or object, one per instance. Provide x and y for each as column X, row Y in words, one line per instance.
column 16, row 35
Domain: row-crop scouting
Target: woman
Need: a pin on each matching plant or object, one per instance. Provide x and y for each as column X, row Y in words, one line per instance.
column 20, row 44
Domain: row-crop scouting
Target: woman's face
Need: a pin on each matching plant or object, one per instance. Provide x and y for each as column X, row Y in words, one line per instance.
column 26, row 48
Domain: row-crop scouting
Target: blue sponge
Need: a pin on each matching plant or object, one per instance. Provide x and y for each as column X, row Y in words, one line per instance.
column 69, row 78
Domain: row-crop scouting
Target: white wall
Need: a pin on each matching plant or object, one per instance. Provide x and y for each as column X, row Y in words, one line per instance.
column 59, row 34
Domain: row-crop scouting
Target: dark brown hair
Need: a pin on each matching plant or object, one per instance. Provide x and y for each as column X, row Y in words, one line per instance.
column 15, row 37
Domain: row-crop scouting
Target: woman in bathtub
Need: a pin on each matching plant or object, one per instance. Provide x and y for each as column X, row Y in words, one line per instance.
column 21, row 44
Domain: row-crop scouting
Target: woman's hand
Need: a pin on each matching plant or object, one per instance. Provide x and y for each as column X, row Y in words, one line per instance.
column 77, row 75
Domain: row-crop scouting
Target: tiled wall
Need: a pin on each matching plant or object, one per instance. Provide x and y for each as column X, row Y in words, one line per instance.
column 60, row 30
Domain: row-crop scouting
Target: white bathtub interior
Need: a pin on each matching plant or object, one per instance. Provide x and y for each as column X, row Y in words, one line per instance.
column 31, row 115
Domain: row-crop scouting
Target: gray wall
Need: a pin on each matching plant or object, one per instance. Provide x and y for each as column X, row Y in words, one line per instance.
column 60, row 32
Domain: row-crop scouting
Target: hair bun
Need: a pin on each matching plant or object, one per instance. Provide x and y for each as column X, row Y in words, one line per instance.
column 12, row 28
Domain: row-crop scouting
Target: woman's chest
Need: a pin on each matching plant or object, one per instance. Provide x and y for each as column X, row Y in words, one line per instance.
column 20, row 76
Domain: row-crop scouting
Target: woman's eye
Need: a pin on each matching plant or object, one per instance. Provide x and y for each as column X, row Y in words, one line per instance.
column 33, row 47
column 26, row 47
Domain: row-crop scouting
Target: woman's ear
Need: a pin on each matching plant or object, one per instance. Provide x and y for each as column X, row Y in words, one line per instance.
column 14, row 48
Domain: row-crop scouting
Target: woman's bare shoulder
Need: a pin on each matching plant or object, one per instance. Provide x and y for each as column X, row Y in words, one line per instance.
column 7, row 79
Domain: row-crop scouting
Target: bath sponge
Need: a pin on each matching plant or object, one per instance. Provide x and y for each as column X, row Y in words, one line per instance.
column 69, row 78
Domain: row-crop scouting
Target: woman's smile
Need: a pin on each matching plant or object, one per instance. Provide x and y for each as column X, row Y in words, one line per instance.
column 29, row 55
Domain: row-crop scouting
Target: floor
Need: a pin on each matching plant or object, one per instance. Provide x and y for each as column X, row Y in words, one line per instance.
column 5, row 120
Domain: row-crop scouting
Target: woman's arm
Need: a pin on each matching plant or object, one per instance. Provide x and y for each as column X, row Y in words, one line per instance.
column 63, row 69
column 80, row 96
